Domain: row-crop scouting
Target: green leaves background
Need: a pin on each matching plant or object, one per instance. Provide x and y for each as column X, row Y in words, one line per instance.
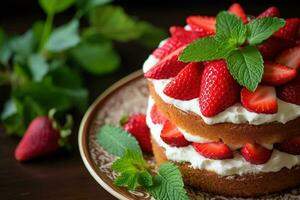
column 44, row 66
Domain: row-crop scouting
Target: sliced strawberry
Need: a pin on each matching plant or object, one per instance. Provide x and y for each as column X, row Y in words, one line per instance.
column 205, row 24
column 238, row 10
column 272, row 46
column 262, row 100
column 290, row 29
column 213, row 150
column 186, row 85
column 270, row 12
column 156, row 116
column 218, row 89
column 291, row 146
column 172, row 136
column 179, row 37
column 277, row 74
column 290, row 57
column 168, row 67
column 256, row 154
column 290, row 92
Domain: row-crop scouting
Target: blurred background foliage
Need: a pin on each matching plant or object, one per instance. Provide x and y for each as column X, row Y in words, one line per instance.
column 44, row 66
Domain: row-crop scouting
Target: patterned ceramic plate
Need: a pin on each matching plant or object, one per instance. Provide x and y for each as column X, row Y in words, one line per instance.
column 128, row 96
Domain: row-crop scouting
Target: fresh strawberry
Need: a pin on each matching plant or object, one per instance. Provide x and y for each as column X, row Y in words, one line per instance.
column 262, row 100
column 290, row 57
column 186, row 85
column 238, row 10
column 205, row 24
column 136, row 126
column 255, row 153
column 179, row 37
column 40, row 139
column 277, row 74
column 289, row 31
column 172, row 136
column 290, row 92
column 213, row 150
column 168, row 67
column 270, row 12
column 272, row 46
column 291, row 146
column 156, row 116
column 218, row 89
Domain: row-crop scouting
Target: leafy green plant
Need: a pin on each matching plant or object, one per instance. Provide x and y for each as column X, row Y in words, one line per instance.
column 44, row 65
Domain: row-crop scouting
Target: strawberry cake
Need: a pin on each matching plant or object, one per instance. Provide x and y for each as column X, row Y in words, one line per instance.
column 226, row 138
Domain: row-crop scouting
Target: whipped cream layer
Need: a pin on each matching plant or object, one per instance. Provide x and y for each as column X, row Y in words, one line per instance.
column 236, row 114
column 235, row 166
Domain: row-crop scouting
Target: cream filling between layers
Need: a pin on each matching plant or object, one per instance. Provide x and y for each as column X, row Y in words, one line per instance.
column 237, row 165
column 236, row 114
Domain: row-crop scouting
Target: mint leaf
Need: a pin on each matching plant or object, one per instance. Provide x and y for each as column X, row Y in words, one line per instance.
column 246, row 66
column 205, row 49
column 24, row 44
column 116, row 140
column 38, row 67
column 261, row 29
column 168, row 184
column 133, row 170
column 230, row 28
column 64, row 37
column 55, row 6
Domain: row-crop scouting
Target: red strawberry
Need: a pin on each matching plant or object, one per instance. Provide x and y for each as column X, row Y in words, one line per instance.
column 270, row 12
column 238, row 10
column 262, row 100
column 289, row 31
column 256, row 154
column 168, row 67
column 218, row 89
column 172, row 136
column 272, row 46
column 179, row 37
column 205, row 24
column 186, row 85
column 213, row 150
column 291, row 146
column 40, row 139
column 290, row 92
column 156, row 116
column 277, row 74
column 290, row 57
column 136, row 126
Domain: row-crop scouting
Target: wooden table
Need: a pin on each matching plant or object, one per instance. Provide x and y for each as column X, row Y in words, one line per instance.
column 64, row 176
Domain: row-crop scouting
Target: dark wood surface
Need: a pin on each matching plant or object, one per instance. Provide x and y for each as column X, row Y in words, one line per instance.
column 63, row 176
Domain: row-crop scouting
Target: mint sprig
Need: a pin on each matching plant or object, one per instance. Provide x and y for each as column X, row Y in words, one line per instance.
column 235, row 42
column 134, row 171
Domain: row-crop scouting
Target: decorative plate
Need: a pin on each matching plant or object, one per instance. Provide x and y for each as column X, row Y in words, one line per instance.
column 129, row 96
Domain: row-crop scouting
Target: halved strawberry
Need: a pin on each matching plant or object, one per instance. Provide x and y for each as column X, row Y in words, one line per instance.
column 179, row 37
column 156, row 116
column 255, row 153
column 270, row 12
column 186, row 85
column 172, row 136
column 291, row 146
column 238, row 10
column 290, row 29
column 290, row 57
column 213, row 150
column 218, row 89
column 290, row 92
column 205, row 24
column 272, row 46
column 168, row 67
column 277, row 74
column 262, row 100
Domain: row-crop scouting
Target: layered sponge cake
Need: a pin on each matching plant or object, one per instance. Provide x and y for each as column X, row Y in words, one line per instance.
column 226, row 138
